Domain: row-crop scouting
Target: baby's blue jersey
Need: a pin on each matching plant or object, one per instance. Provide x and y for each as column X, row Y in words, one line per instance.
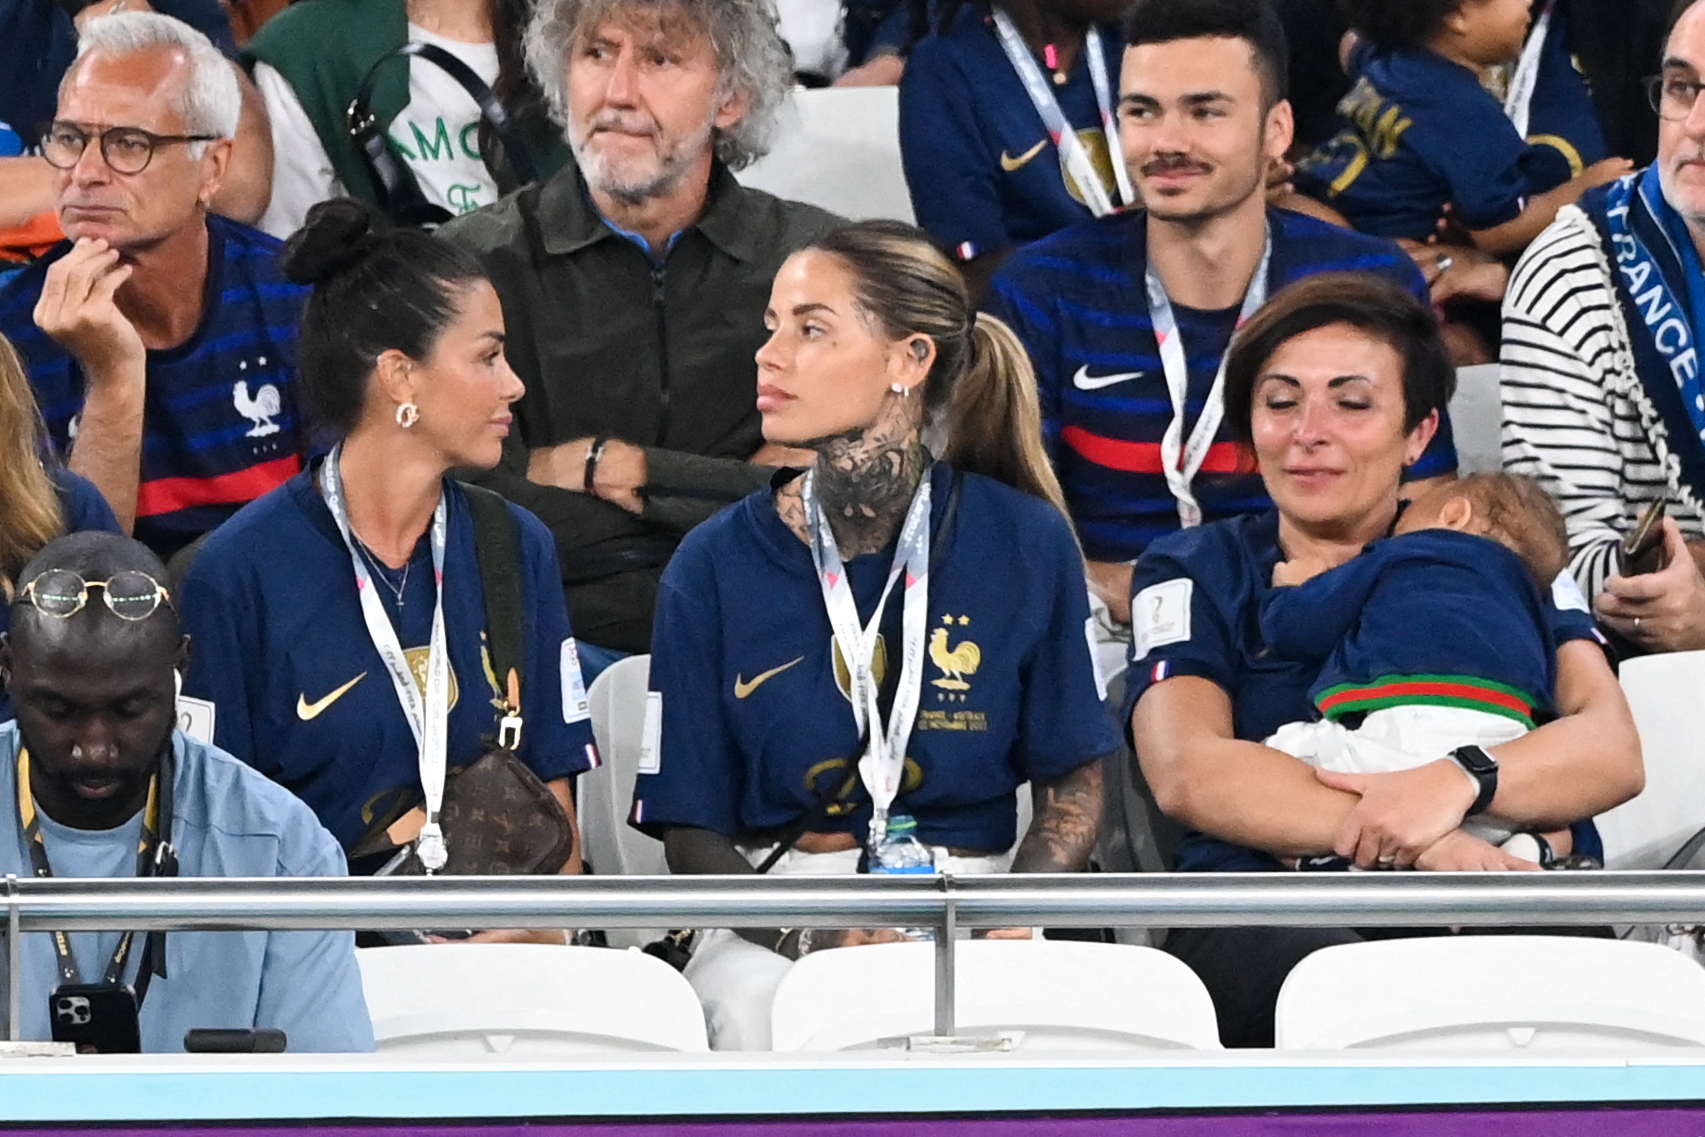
column 750, row 695
column 299, row 691
column 1416, row 133
column 1079, row 301
column 984, row 174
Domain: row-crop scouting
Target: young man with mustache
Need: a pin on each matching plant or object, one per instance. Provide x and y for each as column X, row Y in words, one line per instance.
column 633, row 286
column 1127, row 318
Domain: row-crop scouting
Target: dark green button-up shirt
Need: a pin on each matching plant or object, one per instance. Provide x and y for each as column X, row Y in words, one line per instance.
column 659, row 354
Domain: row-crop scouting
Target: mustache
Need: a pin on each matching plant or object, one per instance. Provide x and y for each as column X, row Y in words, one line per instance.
column 626, row 122
column 1172, row 163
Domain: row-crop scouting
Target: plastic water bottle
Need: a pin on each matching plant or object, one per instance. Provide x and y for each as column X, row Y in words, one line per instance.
column 902, row 853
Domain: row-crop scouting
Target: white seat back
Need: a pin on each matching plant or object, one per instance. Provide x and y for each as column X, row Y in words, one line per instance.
column 838, row 148
column 1492, row 993
column 1477, row 419
column 614, row 847
column 525, row 1001
column 1063, row 995
column 1664, row 692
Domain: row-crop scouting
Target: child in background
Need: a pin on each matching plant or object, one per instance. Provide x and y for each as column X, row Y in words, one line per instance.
column 1419, row 132
column 1439, row 637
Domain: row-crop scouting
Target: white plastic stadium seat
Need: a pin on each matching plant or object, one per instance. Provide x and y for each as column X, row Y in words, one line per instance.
column 614, row 847
column 1664, row 692
column 525, row 1001
column 838, row 148
column 1062, row 994
column 1477, row 419
column 1492, row 993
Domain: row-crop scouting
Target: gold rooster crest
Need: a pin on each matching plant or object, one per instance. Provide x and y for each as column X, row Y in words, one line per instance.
column 955, row 662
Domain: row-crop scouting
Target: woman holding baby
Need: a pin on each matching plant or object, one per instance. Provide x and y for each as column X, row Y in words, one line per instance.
column 1337, row 385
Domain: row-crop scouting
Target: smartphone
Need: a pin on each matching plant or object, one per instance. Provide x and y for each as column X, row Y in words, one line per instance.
column 1642, row 551
column 98, row 1018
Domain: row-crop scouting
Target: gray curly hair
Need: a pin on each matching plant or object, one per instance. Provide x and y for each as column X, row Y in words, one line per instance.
column 753, row 58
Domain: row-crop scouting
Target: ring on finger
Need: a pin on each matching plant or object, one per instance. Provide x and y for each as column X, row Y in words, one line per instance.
column 1443, row 263
column 1637, row 622
column 1388, row 860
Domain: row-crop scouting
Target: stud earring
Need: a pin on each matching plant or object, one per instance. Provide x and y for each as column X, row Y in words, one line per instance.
column 900, row 389
column 407, row 415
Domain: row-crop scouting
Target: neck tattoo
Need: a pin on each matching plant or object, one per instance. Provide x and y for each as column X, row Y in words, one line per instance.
column 865, row 484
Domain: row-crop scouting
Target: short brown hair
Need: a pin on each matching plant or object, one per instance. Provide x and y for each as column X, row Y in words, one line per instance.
column 1369, row 303
column 1517, row 513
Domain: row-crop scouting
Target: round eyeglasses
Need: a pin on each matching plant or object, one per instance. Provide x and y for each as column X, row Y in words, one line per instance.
column 61, row 593
column 127, row 149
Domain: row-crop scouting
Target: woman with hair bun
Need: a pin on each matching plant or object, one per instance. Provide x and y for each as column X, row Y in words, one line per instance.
column 888, row 642
column 321, row 612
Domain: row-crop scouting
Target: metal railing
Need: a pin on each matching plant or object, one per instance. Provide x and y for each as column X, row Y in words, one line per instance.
column 944, row 902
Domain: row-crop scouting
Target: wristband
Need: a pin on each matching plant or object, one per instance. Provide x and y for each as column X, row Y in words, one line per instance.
column 593, row 453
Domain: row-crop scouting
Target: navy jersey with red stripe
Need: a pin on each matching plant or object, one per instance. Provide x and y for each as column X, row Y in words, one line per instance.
column 220, row 422
column 982, row 170
column 301, row 694
column 750, row 719
column 1079, row 302
column 1431, row 617
column 1196, row 603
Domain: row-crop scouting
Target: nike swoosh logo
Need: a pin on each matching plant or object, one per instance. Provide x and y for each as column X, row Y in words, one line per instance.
column 1011, row 164
column 1084, row 381
column 742, row 688
column 307, row 711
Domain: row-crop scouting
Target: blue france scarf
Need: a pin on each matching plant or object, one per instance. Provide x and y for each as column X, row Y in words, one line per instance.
column 1660, row 285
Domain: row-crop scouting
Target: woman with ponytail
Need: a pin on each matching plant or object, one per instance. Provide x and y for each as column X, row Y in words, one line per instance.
column 887, row 640
column 321, row 611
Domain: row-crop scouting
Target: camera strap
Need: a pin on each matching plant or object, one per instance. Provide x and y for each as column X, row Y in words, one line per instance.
column 154, row 857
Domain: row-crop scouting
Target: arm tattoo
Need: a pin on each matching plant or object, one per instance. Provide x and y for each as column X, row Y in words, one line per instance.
column 1068, row 817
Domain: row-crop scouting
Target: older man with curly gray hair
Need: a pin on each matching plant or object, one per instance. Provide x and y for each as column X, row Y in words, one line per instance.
column 634, row 284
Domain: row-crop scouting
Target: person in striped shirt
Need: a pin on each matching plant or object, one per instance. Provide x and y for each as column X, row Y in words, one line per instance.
column 1601, row 375
column 160, row 338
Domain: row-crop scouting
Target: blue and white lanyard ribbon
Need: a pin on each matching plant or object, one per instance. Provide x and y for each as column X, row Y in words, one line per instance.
column 1518, row 102
column 1182, row 459
column 428, row 719
column 1077, row 160
column 883, row 764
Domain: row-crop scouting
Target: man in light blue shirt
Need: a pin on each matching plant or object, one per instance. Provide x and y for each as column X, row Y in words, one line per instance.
column 84, row 785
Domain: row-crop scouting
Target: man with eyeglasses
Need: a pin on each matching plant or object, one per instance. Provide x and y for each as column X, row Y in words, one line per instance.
column 1603, row 383
column 95, row 782
column 160, row 338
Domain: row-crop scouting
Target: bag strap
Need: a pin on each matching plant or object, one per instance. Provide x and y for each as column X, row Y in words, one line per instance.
column 1687, row 852
column 497, row 548
column 399, row 194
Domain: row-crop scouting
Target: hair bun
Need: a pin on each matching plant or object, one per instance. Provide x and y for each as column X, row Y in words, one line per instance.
column 337, row 235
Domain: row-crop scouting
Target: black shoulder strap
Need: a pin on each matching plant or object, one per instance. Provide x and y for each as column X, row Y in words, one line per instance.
column 497, row 546
column 399, row 194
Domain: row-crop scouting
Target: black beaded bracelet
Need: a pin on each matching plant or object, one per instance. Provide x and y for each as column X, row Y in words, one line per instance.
column 593, row 453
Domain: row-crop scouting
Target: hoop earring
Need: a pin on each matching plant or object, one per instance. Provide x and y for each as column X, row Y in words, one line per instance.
column 407, row 415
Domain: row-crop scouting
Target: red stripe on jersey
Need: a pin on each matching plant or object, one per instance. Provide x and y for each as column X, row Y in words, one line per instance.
column 1144, row 457
column 167, row 495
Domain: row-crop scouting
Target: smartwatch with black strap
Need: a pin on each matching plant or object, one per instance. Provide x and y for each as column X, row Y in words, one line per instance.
column 1483, row 768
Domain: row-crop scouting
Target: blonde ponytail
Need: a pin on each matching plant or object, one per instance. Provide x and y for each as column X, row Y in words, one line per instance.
column 994, row 420
column 30, row 516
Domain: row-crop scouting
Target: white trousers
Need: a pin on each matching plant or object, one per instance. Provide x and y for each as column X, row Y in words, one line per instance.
column 1400, row 738
column 736, row 980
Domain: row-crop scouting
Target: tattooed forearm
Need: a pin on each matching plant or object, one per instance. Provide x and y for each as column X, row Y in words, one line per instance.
column 1068, row 816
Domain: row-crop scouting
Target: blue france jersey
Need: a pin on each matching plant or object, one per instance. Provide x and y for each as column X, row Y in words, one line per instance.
column 750, row 694
column 1416, row 133
column 1197, row 600
column 1562, row 116
column 1079, row 302
column 220, row 423
column 982, row 170
column 279, row 646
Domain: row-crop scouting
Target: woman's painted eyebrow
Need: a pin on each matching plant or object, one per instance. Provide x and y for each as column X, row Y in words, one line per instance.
column 1338, row 381
column 807, row 309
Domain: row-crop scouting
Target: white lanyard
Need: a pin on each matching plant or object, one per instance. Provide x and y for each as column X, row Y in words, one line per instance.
column 1077, row 159
column 1518, row 104
column 429, row 720
column 1181, row 459
column 883, row 764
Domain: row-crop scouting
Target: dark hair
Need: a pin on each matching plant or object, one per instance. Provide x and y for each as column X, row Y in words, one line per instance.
column 1516, row 512
column 982, row 379
column 1253, row 21
column 375, row 289
column 1372, row 304
column 1393, row 24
